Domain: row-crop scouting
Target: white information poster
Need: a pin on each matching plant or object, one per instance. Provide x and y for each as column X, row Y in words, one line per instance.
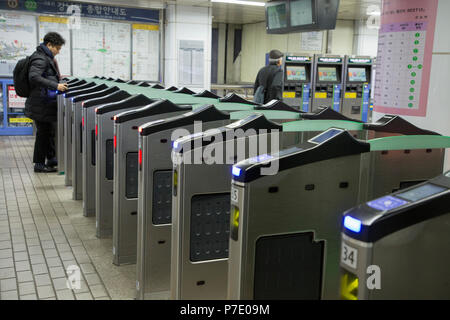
column 191, row 63
column 145, row 52
column 59, row 25
column 312, row 41
column 18, row 39
column 117, row 54
column 102, row 49
column 87, row 47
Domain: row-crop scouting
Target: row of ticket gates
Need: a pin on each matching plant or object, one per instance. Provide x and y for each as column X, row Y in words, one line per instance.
column 342, row 82
column 221, row 213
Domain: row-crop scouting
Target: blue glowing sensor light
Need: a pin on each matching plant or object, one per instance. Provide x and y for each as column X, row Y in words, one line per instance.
column 352, row 224
column 236, row 171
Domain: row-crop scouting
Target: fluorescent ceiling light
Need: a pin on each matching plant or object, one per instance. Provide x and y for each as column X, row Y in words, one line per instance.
column 249, row 3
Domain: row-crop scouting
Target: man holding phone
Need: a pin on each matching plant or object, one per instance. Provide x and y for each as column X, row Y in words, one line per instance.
column 41, row 106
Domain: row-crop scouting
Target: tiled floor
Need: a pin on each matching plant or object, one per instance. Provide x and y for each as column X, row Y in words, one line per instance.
column 43, row 231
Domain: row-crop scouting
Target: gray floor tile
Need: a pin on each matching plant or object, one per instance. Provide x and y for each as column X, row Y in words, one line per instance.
column 50, row 253
column 21, row 256
column 63, row 247
column 84, row 296
column 27, row 288
column 33, row 242
column 42, row 280
column 20, row 247
column 92, row 279
column 103, row 298
column 39, row 268
column 66, row 255
column 47, row 244
column 37, row 259
column 5, row 245
column 29, row 297
column 57, row 272
column 24, row 276
column 45, row 292
column 54, row 262
column 6, row 253
column 22, row 266
column 6, row 273
column 98, row 291
column 9, row 295
column 6, row 263
column 65, row 295
column 87, row 268
column 8, row 284
column 60, row 283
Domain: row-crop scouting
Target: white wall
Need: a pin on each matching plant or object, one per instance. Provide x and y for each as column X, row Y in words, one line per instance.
column 342, row 38
column 186, row 23
column 438, row 110
column 365, row 41
column 256, row 43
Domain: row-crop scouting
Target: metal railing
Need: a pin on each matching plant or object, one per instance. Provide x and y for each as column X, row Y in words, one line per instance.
column 245, row 90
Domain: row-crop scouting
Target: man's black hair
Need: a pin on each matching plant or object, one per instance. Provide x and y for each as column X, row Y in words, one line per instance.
column 54, row 39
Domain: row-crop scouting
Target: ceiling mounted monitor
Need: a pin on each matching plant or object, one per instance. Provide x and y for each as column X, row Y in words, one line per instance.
column 301, row 15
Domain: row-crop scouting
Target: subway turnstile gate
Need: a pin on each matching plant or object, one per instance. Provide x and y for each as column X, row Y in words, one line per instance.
column 397, row 246
column 155, row 196
column 77, row 139
column 61, row 123
column 124, row 221
column 104, row 158
column 88, row 140
column 316, row 181
column 197, row 272
column 68, row 121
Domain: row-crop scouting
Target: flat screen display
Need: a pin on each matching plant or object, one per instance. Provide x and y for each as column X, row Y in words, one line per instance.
column 421, row 192
column 357, row 74
column 326, row 135
column 276, row 16
column 327, row 74
column 301, row 13
column 295, row 73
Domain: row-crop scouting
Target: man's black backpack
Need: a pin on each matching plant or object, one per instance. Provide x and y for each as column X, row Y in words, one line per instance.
column 20, row 75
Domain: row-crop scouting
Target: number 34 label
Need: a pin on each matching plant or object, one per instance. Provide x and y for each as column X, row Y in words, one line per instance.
column 349, row 255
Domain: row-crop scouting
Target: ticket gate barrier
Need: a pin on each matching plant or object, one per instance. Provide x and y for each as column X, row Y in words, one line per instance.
column 68, row 120
column 210, row 272
column 77, row 138
column 341, row 175
column 357, row 87
column 327, row 84
column 155, row 196
column 104, row 158
column 297, row 80
column 88, row 140
column 60, row 127
column 125, row 181
column 125, row 202
column 199, row 256
column 401, row 240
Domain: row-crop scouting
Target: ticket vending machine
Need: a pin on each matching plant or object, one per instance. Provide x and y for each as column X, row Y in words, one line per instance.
column 297, row 80
column 357, row 87
column 327, row 83
column 397, row 246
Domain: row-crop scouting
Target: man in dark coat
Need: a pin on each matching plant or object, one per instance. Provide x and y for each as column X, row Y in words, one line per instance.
column 271, row 77
column 44, row 77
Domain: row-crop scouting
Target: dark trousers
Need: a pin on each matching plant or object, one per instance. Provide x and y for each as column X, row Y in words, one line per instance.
column 44, row 146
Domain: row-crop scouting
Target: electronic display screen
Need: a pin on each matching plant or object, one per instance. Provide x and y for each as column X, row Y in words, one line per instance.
column 357, row 74
column 301, row 13
column 295, row 73
column 421, row 192
column 276, row 16
column 386, row 203
column 327, row 74
column 325, row 136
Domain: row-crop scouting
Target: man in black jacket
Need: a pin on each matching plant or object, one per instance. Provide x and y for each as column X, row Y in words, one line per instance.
column 271, row 77
column 44, row 77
